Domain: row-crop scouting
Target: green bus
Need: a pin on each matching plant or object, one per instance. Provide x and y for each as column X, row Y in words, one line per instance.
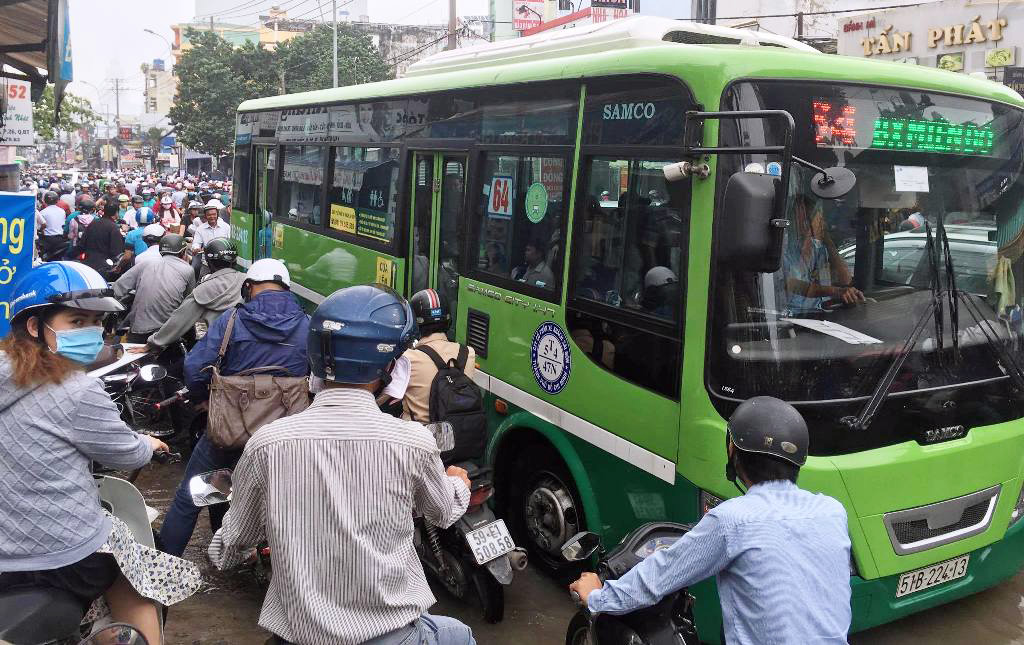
column 634, row 213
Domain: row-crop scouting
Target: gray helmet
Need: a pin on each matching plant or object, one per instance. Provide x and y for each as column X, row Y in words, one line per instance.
column 769, row 426
column 172, row 244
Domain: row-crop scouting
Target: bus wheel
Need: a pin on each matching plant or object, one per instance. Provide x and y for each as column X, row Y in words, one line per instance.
column 545, row 510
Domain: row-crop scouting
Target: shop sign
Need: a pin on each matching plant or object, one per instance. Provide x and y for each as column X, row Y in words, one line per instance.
column 889, row 41
column 1013, row 77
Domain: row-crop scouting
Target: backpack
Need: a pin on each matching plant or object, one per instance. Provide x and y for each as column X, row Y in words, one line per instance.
column 455, row 398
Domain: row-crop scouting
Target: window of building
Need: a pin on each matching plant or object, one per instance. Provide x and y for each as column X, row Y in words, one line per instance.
column 520, row 212
column 302, row 176
column 362, row 196
column 628, row 270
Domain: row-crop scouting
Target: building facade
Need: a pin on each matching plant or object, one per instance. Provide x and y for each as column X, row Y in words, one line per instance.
column 964, row 36
column 160, row 87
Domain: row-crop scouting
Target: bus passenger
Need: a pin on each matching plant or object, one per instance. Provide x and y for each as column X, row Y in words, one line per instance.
column 816, row 274
column 534, row 270
column 781, row 555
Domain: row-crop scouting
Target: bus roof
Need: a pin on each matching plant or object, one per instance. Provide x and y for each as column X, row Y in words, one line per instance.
column 707, row 67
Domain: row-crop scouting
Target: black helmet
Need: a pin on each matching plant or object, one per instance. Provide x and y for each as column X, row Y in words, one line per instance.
column 172, row 244
column 50, row 198
column 769, row 426
column 431, row 310
column 87, row 205
column 220, row 251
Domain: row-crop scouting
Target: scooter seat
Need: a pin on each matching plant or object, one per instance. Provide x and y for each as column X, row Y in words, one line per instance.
column 38, row 615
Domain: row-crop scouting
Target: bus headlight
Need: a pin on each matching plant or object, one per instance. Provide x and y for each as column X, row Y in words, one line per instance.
column 708, row 502
column 1018, row 509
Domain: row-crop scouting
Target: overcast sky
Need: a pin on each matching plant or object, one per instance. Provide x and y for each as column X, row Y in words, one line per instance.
column 108, row 40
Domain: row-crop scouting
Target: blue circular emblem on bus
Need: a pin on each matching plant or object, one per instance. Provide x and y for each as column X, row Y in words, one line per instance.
column 550, row 357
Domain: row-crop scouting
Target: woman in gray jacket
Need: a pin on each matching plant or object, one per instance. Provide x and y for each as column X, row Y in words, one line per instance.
column 54, row 419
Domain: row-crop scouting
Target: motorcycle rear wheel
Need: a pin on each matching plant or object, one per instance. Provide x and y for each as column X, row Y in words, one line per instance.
column 491, row 594
column 578, row 632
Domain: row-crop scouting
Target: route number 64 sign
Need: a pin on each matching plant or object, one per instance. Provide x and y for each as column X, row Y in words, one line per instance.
column 501, row 197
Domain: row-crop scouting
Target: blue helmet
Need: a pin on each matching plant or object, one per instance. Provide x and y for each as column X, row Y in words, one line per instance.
column 356, row 332
column 145, row 215
column 62, row 283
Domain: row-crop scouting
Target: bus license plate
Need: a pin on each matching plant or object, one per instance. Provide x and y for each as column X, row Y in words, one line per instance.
column 936, row 574
column 489, row 542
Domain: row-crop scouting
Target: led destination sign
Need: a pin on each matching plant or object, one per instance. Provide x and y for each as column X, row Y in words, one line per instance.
column 932, row 136
column 843, row 124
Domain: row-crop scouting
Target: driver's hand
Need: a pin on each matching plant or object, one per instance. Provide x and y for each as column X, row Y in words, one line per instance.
column 157, row 445
column 458, row 473
column 587, row 583
column 141, row 349
column 851, row 295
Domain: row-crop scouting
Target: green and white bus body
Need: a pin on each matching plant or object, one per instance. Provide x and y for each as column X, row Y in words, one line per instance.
column 607, row 383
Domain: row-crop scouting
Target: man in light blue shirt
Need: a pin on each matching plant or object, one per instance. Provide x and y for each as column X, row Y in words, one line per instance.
column 781, row 555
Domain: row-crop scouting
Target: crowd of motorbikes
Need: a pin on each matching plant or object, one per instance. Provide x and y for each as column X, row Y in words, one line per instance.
column 473, row 559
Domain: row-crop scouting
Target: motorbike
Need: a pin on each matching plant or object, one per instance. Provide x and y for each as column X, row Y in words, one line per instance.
column 136, row 383
column 476, row 554
column 669, row 622
column 44, row 615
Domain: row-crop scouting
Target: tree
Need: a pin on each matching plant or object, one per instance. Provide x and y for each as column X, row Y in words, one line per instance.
column 212, row 80
column 304, row 62
column 75, row 113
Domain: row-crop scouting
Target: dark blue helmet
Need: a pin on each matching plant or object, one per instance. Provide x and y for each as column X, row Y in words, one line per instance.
column 357, row 332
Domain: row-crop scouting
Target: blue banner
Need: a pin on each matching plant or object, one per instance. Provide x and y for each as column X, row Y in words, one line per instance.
column 17, row 232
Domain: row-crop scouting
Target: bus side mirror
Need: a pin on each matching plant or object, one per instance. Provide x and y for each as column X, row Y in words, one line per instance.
column 750, row 231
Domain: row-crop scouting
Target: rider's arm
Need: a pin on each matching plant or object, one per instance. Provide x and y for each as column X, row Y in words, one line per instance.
column 441, row 498
column 128, row 281
column 244, row 525
column 184, row 318
column 699, row 554
column 98, row 432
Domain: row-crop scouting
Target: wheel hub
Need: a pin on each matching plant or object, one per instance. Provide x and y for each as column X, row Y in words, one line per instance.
column 551, row 517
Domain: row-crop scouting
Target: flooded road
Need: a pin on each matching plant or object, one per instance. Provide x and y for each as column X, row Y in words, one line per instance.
column 537, row 610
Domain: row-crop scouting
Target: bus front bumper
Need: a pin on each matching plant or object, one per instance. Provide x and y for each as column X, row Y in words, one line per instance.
column 874, row 601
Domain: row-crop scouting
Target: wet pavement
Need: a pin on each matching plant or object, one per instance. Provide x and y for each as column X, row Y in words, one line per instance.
column 537, row 610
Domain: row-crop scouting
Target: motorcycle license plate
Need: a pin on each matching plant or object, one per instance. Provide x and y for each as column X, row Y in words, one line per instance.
column 489, row 542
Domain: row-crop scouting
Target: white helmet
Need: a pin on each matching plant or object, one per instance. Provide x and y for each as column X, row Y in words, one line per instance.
column 213, row 203
column 269, row 270
column 153, row 231
column 659, row 276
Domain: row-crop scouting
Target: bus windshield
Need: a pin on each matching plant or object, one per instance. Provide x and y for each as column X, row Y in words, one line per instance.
column 859, row 272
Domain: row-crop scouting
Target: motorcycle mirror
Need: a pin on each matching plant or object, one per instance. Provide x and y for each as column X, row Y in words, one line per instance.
column 116, row 634
column 152, row 372
column 211, row 488
column 581, row 546
column 444, row 435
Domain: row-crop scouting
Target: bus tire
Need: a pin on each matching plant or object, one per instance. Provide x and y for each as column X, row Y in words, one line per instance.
column 544, row 510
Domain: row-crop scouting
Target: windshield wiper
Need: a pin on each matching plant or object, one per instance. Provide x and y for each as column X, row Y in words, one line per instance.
column 867, row 414
column 881, row 391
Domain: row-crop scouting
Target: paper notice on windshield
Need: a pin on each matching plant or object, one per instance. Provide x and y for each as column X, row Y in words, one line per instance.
column 835, row 330
column 911, row 179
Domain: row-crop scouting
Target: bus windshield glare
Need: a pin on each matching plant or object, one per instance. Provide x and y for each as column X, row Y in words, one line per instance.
column 859, row 272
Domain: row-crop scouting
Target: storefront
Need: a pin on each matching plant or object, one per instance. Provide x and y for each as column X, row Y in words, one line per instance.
column 965, row 36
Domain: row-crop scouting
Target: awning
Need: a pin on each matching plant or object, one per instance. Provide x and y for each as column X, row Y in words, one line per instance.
column 35, row 40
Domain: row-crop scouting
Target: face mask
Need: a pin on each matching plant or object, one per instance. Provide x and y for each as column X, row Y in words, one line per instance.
column 81, row 345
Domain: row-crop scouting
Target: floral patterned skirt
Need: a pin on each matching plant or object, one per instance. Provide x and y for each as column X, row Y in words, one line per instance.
column 154, row 574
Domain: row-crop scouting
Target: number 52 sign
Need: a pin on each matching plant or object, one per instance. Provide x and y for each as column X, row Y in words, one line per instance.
column 501, row 197
column 17, row 231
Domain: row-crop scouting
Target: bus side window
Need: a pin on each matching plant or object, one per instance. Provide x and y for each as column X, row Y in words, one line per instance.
column 628, row 271
column 302, row 176
column 519, row 210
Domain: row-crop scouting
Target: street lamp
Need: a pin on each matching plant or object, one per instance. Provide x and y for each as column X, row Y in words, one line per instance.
column 170, row 47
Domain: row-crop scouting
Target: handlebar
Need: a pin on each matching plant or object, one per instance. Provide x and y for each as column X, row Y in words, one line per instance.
column 178, row 396
column 167, row 457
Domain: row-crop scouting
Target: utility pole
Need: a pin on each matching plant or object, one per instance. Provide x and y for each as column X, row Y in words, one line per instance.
column 800, row 25
column 117, row 118
column 453, row 39
column 334, row 21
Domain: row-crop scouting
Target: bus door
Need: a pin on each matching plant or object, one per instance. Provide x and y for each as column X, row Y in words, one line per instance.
column 438, row 194
column 263, row 207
